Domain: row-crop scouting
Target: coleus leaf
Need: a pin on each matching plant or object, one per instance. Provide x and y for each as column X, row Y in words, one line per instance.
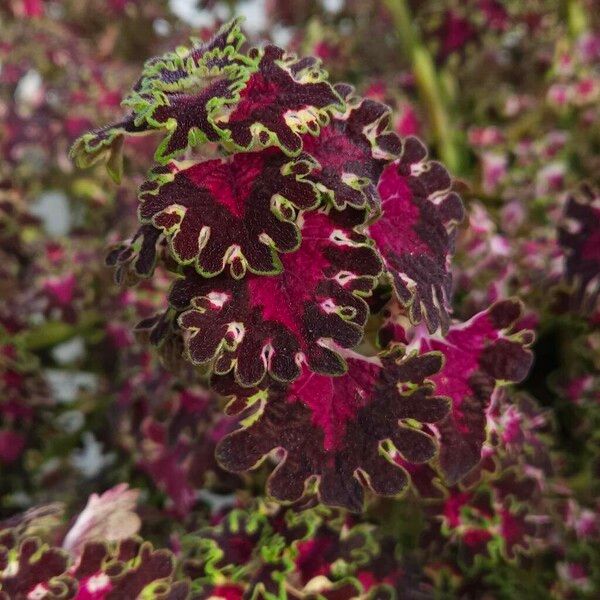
column 284, row 97
column 275, row 324
column 252, row 548
column 481, row 523
column 341, row 431
column 32, row 568
column 228, row 549
column 176, row 93
column 136, row 258
column 237, row 211
column 107, row 571
column 352, row 151
column 106, row 143
column 416, row 231
column 485, row 352
column 580, row 238
column 129, row 569
column 392, row 574
column 334, row 553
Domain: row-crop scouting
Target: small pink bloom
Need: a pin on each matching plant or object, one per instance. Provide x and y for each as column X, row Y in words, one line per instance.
column 455, row 33
column 565, row 64
column 495, row 14
column 110, row 100
column 585, row 91
column 325, row 51
column 75, row 126
column 575, row 575
column 376, row 91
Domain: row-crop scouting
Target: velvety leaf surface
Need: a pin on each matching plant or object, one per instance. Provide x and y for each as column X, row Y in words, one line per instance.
column 334, row 429
column 32, row 568
column 272, row 325
column 284, row 97
column 481, row 354
column 237, row 211
column 135, row 258
column 416, row 231
column 352, row 151
column 128, row 569
column 177, row 93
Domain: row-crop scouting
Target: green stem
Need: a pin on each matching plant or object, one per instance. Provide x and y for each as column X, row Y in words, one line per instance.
column 576, row 18
column 428, row 83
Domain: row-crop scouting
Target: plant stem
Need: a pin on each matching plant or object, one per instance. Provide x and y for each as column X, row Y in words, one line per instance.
column 428, row 83
column 576, row 18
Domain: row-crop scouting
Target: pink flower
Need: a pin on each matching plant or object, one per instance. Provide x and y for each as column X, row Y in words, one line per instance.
column 585, row 91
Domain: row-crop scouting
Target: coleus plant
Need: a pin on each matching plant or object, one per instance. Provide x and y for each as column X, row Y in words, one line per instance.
column 285, row 209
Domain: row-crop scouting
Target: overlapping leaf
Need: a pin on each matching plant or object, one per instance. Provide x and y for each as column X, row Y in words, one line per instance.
column 481, row 354
column 352, row 151
column 176, row 93
column 136, row 258
column 415, row 234
column 30, row 568
column 269, row 552
column 273, row 325
column 249, row 553
column 485, row 353
column 284, row 97
column 238, row 211
column 341, row 431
